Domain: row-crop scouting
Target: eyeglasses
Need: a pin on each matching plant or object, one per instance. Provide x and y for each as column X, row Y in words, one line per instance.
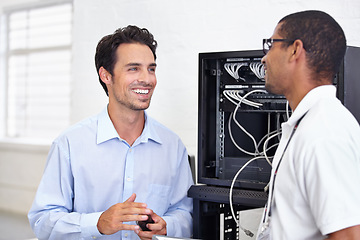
column 267, row 43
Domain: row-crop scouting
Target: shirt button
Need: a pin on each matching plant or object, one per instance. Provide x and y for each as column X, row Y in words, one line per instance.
column 125, row 235
column 128, row 179
column 93, row 237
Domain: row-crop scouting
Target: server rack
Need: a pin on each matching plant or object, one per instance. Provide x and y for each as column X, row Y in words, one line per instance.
column 212, row 215
column 348, row 81
column 220, row 137
column 222, row 76
column 219, row 158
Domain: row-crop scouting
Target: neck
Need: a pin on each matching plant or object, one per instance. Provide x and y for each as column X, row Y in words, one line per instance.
column 301, row 84
column 128, row 123
column 294, row 100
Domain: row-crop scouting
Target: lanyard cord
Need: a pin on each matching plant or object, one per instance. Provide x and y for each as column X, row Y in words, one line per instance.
column 277, row 167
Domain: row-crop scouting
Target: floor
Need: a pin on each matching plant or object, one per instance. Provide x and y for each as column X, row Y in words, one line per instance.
column 15, row 227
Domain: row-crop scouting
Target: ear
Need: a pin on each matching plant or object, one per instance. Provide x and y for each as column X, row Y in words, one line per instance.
column 105, row 76
column 297, row 49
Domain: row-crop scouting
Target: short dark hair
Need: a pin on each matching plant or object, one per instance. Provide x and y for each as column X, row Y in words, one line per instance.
column 105, row 55
column 322, row 37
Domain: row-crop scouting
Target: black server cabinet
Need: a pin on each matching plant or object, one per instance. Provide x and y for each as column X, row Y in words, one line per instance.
column 212, row 214
column 348, row 81
column 226, row 143
column 229, row 133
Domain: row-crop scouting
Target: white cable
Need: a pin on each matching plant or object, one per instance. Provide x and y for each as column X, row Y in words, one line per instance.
column 278, row 125
column 233, row 68
column 265, row 149
column 254, row 104
column 235, row 94
column 234, row 142
column 253, row 91
column 238, row 66
column 228, row 96
column 228, row 68
column 266, row 136
column 247, row 232
column 258, row 69
column 269, row 136
column 239, row 125
column 278, row 134
column 287, row 110
column 252, row 68
column 257, row 145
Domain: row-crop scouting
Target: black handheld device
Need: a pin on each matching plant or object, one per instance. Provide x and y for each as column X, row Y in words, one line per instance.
column 142, row 224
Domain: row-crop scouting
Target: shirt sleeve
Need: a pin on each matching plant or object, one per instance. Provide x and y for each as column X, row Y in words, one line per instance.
column 179, row 215
column 332, row 176
column 51, row 215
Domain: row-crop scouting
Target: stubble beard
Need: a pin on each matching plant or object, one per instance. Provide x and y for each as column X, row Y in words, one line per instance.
column 139, row 108
column 271, row 87
column 133, row 105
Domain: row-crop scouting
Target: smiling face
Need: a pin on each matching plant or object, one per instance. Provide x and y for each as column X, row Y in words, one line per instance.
column 133, row 80
column 275, row 62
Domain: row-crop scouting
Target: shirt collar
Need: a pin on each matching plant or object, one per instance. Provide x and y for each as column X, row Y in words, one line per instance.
column 107, row 131
column 310, row 99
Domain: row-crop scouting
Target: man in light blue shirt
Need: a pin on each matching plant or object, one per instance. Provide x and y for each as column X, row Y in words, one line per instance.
column 121, row 166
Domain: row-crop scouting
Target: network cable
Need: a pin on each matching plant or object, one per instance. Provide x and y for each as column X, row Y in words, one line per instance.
column 258, row 69
column 234, row 96
column 233, row 68
column 234, row 142
column 246, row 231
column 241, row 127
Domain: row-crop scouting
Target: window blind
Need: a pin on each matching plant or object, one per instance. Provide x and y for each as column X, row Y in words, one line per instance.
column 39, row 71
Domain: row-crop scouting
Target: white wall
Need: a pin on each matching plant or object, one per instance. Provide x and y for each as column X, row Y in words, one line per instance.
column 182, row 28
column 21, row 168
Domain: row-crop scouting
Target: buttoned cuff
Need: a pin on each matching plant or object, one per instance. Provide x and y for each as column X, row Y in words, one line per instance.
column 88, row 225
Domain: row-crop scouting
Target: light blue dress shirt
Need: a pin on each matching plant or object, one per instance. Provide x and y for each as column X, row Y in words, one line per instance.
column 90, row 168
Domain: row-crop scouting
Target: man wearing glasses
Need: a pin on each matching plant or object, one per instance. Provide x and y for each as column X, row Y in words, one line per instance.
column 314, row 189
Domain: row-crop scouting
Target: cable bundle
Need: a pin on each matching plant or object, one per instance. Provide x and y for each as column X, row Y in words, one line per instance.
column 233, row 68
column 258, row 69
column 235, row 97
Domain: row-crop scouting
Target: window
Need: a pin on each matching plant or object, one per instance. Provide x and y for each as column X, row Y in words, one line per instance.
column 38, row 71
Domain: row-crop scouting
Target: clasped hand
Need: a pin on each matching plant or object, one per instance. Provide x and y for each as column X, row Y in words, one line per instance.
column 111, row 220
